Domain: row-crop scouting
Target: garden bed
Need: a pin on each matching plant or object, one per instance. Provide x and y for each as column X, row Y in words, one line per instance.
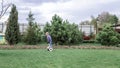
column 57, row 47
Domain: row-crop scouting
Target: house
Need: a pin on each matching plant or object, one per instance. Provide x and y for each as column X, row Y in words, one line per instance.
column 87, row 29
column 2, row 38
column 117, row 27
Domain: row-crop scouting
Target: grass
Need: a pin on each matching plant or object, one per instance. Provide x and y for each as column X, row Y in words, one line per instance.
column 60, row 58
column 39, row 44
column 91, row 44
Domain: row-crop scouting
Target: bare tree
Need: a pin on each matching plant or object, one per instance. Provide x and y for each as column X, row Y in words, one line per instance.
column 4, row 8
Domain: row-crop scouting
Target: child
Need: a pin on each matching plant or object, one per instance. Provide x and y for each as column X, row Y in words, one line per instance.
column 49, row 40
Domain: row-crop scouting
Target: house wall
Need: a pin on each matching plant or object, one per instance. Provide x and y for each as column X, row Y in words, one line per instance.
column 87, row 29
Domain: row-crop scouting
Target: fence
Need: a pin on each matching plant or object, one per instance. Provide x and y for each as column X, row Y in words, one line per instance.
column 87, row 29
column 22, row 27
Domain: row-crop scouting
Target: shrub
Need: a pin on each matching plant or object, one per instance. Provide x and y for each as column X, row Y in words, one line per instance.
column 118, row 36
column 114, row 40
column 108, row 36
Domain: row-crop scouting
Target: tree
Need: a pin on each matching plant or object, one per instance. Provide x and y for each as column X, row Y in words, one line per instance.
column 4, row 8
column 38, row 32
column 12, row 34
column 63, row 32
column 74, row 34
column 113, row 19
column 30, row 36
column 102, row 19
column 47, row 27
column 105, row 17
column 56, row 28
column 94, row 22
column 108, row 36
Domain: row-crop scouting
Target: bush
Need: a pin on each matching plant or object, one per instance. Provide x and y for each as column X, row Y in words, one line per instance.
column 114, row 40
column 108, row 36
column 118, row 36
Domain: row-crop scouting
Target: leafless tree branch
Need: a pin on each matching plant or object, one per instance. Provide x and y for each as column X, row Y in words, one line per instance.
column 4, row 8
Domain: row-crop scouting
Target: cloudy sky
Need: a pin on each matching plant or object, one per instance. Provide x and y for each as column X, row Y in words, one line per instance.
column 73, row 10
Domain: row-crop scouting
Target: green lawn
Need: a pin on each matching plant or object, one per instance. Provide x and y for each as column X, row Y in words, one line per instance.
column 60, row 58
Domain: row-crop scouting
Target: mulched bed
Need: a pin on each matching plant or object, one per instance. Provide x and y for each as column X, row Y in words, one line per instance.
column 57, row 47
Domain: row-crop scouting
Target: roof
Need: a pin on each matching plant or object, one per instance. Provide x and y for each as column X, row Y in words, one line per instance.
column 116, row 25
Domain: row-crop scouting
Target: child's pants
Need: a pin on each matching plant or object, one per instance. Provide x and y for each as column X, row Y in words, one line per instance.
column 50, row 45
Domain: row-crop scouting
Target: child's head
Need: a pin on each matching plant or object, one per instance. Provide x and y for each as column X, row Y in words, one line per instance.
column 47, row 33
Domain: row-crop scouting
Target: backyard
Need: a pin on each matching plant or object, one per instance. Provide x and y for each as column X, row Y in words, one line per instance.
column 27, row 28
column 60, row 58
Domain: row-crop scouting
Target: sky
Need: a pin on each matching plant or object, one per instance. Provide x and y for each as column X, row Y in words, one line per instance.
column 72, row 10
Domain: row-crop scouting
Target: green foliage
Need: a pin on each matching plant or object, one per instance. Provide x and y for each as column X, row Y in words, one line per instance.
column 114, row 40
column 37, row 32
column 12, row 34
column 113, row 19
column 63, row 32
column 33, row 34
column 43, row 38
column 108, row 36
column 89, row 41
column 30, row 37
column 74, row 35
column 118, row 36
column 47, row 27
column 56, row 28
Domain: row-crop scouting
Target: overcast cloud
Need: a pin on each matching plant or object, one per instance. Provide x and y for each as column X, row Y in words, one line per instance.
column 73, row 10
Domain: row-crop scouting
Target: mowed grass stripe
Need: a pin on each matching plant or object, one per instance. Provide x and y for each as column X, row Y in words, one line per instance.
column 60, row 58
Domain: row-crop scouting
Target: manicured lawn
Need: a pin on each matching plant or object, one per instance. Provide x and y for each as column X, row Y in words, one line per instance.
column 60, row 58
